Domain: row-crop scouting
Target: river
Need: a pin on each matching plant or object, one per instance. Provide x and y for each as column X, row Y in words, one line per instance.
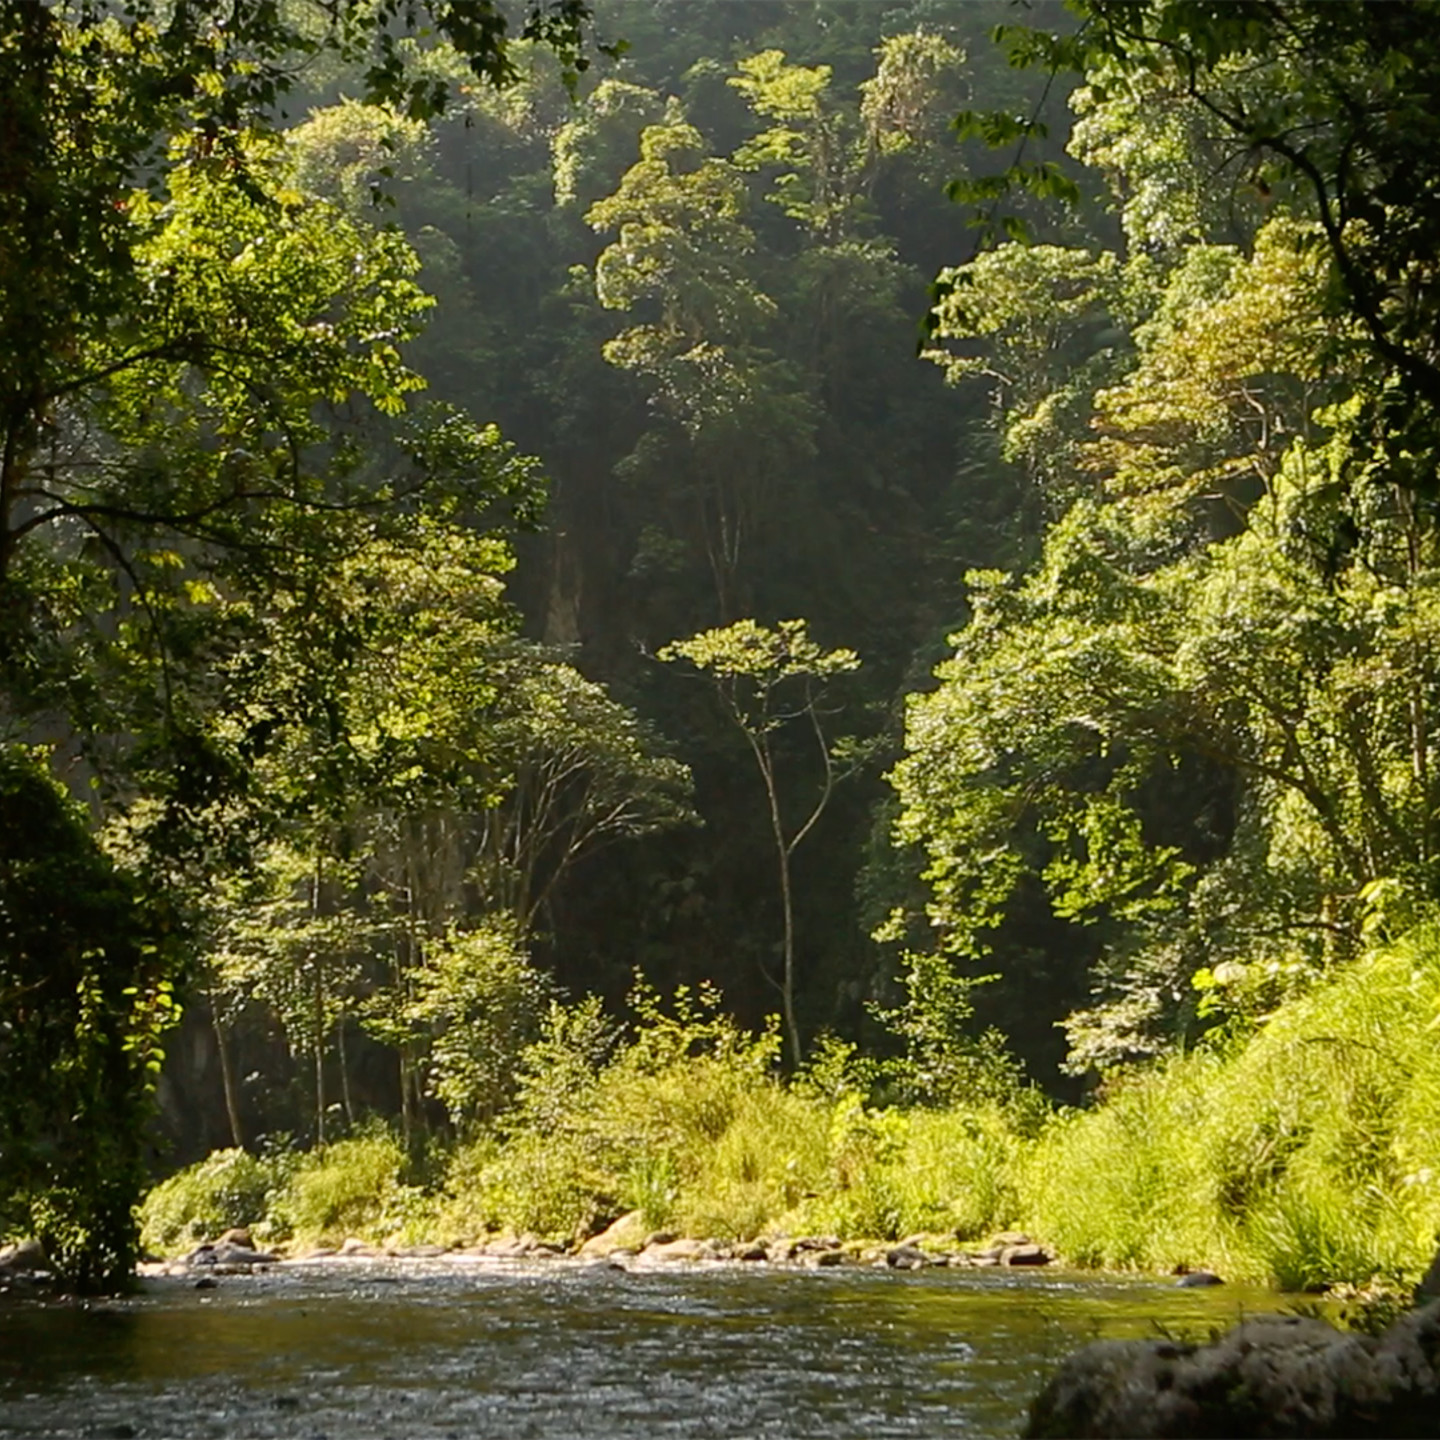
column 440, row 1349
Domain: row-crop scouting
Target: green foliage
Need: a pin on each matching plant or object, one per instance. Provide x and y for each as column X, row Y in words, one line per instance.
column 688, row 1122
column 227, row 1189
column 1307, row 1154
column 86, row 970
column 766, row 678
column 354, row 1187
column 482, row 1000
column 945, row 1063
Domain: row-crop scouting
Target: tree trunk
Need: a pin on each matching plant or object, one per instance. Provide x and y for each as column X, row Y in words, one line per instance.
column 227, row 1076
column 344, row 1073
column 318, row 1043
column 782, row 854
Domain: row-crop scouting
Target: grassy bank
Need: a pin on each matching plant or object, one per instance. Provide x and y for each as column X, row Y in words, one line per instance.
column 1305, row 1154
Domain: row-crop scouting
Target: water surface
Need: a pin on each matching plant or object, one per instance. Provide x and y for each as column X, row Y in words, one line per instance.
column 443, row 1349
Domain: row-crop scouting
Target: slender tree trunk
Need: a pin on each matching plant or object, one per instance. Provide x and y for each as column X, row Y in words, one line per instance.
column 782, row 855
column 227, row 1076
column 344, row 1059
column 319, row 1047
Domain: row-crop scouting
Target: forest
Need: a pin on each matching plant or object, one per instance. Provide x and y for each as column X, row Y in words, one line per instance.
column 796, row 616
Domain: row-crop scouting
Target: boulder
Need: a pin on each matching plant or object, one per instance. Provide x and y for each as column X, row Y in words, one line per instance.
column 237, row 1236
column 816, row 1242
column 357, row 1248
column 679, row 1250
column 1026, row 1254
column 1276, row 1375
column 24, row 1257
column 627, row 1233
column 906, row 1257
column 753, row 1252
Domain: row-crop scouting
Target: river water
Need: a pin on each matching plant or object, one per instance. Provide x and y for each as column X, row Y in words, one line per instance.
column 442, row 1349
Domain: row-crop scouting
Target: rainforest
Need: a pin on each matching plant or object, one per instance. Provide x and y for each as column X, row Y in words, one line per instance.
column 747, row 619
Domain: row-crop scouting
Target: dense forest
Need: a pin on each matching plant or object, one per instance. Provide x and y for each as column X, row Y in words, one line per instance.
column 774, row 608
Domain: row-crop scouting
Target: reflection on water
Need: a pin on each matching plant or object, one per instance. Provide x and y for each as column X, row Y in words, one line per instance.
column 438, row 1349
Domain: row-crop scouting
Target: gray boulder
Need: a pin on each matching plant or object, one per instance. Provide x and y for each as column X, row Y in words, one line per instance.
column 23, row 1257
column 1277, row 1375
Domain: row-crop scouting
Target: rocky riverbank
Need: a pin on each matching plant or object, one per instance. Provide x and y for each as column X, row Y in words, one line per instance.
column 627, row 1243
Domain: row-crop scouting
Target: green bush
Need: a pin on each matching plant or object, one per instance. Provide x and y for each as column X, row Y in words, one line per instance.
column 351, row 1188
column 957, row 1172
column 229, row 1188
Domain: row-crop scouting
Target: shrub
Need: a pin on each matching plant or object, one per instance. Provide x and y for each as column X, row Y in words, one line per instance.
column 229, row 1188
column 353, row 1187
column 957, row 1172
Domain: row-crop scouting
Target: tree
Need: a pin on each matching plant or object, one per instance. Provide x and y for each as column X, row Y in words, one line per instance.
column 734, row 416
column 1330, row 106
column 765, row 679
column 180, row 330
column 454, row 776
column 87, row 964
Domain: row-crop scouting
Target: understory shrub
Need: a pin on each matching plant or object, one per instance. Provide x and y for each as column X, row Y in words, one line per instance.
column 354, row 1187
column 227, row 1189
column 1307, row 1152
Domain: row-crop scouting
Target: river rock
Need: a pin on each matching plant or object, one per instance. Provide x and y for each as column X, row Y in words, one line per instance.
column 627, row 1233
column 906, row 1257
column 419, row 1252
column 239, row 1235
column 24, row 1257
column 821, row 1259
column 680, row 1250
column 815, row 1242
column 1198, row 1280
column 355, row 1248
column 1276, row 1375
column 222, row 1255
column 754, row 1252
column 1025, row 1255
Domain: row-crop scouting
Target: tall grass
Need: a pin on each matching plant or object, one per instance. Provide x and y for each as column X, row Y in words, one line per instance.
column 1306, row 1154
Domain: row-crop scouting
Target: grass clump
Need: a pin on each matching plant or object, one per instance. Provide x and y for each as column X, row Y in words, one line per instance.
column 1307, row 1155
column 228, row 1189
column 354, row 1187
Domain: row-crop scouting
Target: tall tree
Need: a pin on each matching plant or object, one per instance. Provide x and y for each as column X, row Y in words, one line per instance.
column 765, row 679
